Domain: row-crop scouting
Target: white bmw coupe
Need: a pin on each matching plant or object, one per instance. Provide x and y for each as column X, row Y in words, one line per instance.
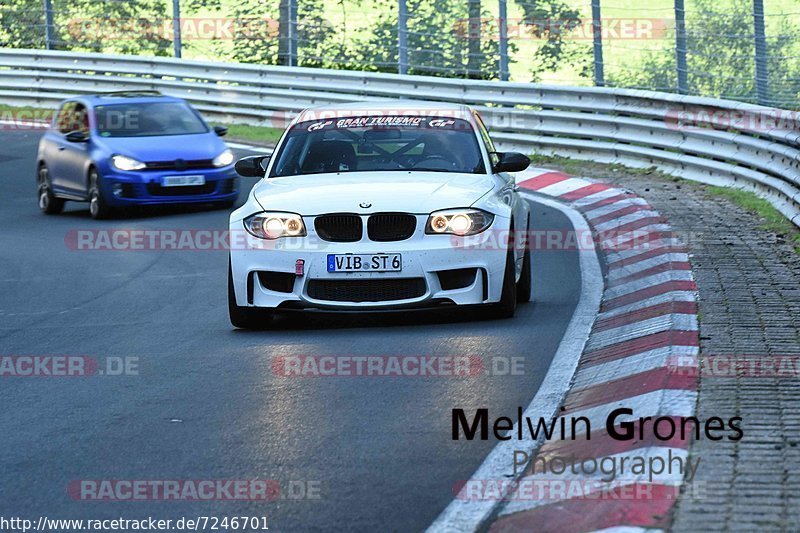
column 380, row 206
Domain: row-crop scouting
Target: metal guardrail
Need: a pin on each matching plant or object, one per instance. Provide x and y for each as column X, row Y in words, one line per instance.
column 712, row 141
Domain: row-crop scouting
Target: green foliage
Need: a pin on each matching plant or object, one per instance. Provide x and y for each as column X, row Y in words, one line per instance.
column 261, row 40
column 552, row 21
column 22, row 24
column 438, row 39
column 721, row 57
column 256, row 38
column 193, row 6
column 445, row 37
column 135, row 27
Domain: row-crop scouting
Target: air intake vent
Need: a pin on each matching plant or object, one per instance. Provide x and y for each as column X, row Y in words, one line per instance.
column 366, row 290
column 339, row 227
column 155, row 189
column 385, row 227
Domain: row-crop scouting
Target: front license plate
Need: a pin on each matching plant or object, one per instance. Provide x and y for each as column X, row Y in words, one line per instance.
column 362, row 263
column 183, row 181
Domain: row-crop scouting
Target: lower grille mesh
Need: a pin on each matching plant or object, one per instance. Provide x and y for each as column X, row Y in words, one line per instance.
column 155, row 189
column 366, row 290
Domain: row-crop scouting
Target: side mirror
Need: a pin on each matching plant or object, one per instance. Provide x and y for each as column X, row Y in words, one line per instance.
column 511, row 162
column 77, row 136
column 253, row 166
column 221, row 131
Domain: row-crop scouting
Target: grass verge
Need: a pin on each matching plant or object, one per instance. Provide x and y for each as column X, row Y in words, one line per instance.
column 256, row 134
column 773, row 220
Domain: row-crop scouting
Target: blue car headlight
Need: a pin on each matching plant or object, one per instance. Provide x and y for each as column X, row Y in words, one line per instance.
column 126, row 163
column 224, row 159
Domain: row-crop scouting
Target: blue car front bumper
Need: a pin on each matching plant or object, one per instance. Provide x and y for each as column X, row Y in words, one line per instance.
column 146, row 187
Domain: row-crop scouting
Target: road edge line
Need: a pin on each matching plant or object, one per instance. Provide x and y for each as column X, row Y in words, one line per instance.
column 470, row 515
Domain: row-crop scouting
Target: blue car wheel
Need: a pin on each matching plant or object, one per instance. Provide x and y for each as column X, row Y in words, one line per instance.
column 98, row 206
column 48, row 202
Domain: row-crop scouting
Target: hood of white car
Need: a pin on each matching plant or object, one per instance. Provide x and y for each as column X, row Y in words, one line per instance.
column 370, row 192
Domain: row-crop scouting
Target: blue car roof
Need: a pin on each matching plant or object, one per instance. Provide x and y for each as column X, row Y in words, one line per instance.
column 131, row 97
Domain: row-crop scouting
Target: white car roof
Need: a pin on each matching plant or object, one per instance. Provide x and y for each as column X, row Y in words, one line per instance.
column 386, row 108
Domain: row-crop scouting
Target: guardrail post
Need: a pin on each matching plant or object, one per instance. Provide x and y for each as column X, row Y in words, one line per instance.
column 680, row 48
column 48, row 24
column 287, row 33
column 293, row 33
column 762, row 73
column 503, row 26
column 402, row 37
column 176, row 27
column 474, row 39
column 597, row 37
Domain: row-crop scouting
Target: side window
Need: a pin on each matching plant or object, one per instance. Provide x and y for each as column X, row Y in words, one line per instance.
column 80, row 119
column 486, row 139
column 64, row 117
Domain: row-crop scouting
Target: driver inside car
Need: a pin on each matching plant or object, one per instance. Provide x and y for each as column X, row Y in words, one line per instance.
column 441, row 152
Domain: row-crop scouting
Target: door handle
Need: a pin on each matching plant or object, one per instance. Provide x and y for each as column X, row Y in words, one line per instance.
column 62, row 148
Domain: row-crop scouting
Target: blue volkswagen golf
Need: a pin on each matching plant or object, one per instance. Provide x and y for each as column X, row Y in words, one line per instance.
column 132, row 148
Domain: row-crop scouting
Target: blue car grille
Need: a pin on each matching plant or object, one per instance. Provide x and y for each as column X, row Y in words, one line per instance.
column 179, row 164
column 155, row 189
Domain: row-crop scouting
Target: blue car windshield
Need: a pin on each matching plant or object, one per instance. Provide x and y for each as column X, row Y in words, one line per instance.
column 147, row 119
column 379, row 143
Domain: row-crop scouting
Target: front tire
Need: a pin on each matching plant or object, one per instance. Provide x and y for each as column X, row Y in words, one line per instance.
column 98, row 206
column 524, row 283
column 508, row 298
column 245, row 317
column 48, row 202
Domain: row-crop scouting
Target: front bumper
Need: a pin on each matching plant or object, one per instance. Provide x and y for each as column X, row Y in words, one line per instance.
column 145, row 187
column 426, row 259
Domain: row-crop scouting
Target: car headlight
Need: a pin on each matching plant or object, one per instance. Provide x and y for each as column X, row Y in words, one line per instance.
column 224, row 159
column 275, row 225
column 458, row 222
column 126, row 163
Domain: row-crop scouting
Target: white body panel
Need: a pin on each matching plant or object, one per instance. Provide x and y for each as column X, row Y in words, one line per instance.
column 365, row 193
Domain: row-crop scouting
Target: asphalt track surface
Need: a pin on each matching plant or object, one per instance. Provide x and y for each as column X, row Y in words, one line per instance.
column 206, row 403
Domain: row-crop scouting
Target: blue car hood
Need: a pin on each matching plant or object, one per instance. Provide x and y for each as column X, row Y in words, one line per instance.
column 165, row 148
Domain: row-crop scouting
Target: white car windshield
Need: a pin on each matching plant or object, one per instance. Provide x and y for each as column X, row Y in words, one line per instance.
column 379, row 143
